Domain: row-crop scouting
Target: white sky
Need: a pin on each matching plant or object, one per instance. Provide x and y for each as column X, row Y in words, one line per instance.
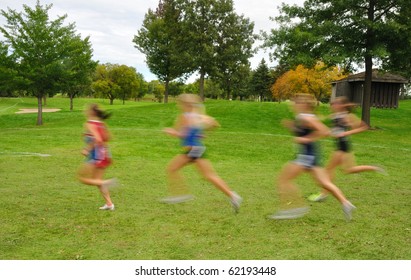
column 112, row 25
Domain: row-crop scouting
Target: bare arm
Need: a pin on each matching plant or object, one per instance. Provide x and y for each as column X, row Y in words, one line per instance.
column 289, row 124
column 176, row 130
column 356, row 125
column 320, row 130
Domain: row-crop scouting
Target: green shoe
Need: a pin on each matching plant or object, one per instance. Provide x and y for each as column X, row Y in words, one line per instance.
column 317, row 197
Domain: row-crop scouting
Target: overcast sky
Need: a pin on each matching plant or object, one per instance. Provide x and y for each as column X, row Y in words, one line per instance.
column 112, row 24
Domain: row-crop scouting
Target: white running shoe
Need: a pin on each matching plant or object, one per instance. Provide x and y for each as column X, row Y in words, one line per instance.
column 348, row 208
column 381, row 170
column 290, row 213
column 106, row 207
column 177, row 199
column 236, row 201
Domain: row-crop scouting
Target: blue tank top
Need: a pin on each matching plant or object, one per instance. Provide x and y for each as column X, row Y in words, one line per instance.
column 193, row 132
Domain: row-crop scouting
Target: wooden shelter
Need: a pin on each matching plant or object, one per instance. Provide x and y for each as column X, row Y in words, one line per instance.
column 385, row 89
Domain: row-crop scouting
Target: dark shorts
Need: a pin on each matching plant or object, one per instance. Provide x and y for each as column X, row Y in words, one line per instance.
column 343, row 145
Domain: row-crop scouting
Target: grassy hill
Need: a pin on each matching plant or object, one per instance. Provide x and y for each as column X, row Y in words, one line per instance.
column 47, row 214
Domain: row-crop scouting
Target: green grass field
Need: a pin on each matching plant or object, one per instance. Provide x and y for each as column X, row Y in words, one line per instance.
column 47, row 214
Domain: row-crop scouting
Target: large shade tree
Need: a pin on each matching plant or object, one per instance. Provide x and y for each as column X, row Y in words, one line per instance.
column 220, row 41
column 78, row 68
column 163, row 40
column 40, row 48
column 343, row 32
column 114, row 81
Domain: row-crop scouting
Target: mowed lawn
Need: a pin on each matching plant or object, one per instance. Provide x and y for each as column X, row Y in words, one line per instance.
column 47, row 214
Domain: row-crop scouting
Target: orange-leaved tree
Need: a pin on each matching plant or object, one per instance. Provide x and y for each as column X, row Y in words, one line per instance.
column 315, row 81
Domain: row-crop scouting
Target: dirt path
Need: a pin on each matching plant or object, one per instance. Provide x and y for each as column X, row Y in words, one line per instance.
column 30, row 111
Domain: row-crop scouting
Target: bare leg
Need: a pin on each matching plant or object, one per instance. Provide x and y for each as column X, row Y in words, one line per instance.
column 350, row 167
column 292, row 205
column 208, row 172
column 290, row 195
column 323, row 179
column 98, row 175
column 336, row 160
column 177, row 185
column 86, row 175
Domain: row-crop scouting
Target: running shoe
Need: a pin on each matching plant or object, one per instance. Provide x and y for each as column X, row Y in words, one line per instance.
column 236, row 201
column 317, row 197
column 177, row 199
column 106, row 207
column 290, row 213
column 381, row 170
column 348, row 208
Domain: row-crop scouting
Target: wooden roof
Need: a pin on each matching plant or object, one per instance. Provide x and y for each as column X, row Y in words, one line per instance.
column 377, row 76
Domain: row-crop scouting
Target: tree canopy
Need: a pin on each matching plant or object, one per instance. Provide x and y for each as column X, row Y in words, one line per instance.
column 44, row 52
column 184, row 36
column 115, row 81
column 315, row 81
column 342, row 32
column 163, row 40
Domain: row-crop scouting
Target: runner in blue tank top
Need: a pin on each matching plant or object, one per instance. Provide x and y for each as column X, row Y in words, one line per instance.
column 190, row 127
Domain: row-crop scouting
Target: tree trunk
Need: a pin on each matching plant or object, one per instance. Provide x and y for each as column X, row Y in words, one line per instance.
column 167, row 84
column 39, row 110
column 202, row 75
column 366, row 98
column 229, row 95
column 370, row 43
column 71, row 102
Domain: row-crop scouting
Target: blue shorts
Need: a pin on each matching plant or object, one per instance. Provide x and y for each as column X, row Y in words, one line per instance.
column 100, row 156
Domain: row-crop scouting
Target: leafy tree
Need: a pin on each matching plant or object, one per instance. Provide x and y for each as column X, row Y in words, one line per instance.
column 399, row 53
column 103, row 85
column 342, row 32
column 7, row 75
column 316, row 81
column 176, row 88
column 192, row 87
column 261, row 82
column 242, row 82
column 163, row 41
column 116, row 82
column 212, row 89
column 40, row 48
column 143, row 87
column 220, row 40
column 78, row 68
column 157, row 89
column 127, row 80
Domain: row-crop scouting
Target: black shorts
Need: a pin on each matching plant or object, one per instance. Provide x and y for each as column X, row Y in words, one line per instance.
column 343, row 145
